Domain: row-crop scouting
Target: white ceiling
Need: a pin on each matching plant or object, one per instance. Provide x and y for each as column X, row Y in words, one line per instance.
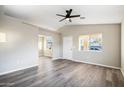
column 45, row 15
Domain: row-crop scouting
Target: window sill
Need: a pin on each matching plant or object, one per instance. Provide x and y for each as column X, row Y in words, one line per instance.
column 90, row 51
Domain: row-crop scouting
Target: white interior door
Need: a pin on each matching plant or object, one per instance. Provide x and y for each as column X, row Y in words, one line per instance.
column 67, row 47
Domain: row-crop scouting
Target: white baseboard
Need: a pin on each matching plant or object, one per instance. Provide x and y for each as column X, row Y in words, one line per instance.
column 57, row 58
column 97, row 64
column 11, row 71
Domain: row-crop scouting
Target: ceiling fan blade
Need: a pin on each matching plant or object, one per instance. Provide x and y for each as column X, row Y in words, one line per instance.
column 70, row 20
column 74, row 16
column 62, row 19
column 60, row 15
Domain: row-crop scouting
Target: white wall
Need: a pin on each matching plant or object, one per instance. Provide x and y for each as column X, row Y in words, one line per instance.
column 1, row 9
column 122, row 47
column 111, row 54
column 21, row 49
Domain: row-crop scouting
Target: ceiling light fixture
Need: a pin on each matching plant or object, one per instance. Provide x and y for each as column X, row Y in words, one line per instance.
column 67, row 19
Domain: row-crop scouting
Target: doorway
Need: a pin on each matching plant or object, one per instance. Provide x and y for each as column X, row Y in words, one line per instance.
column 45, row 45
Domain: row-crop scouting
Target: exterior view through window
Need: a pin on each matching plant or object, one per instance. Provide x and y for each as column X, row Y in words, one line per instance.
column 90, row 42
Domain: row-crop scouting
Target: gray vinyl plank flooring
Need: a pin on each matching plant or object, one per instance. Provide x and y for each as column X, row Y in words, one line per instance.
column 63, row 73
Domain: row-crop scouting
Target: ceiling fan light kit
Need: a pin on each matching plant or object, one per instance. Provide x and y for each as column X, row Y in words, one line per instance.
column 67, row 19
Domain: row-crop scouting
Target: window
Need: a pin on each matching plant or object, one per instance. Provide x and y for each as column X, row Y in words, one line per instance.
column 49, row 42
column 90, row 42
column 84, row 42
column 2, row 37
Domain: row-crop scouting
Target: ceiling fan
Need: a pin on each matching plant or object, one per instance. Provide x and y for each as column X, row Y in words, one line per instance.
column 68, row 16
